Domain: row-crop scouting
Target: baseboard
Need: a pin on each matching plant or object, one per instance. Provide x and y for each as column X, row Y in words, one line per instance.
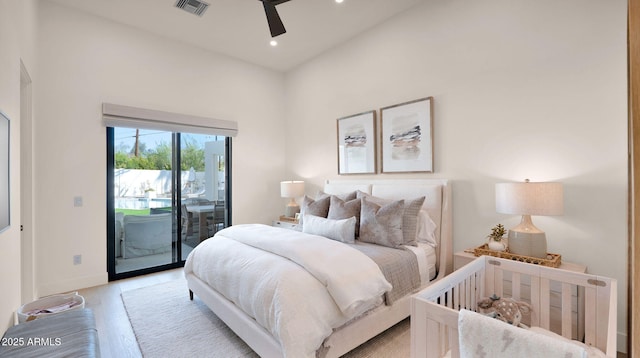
column 622, row 343
column 73, row 284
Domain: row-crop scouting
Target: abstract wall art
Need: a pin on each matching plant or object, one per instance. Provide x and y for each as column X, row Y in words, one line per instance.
column 357, row 144
column 407, row 137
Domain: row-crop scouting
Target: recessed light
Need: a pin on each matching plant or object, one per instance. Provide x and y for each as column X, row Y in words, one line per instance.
column 273, row 43
column 339, row 1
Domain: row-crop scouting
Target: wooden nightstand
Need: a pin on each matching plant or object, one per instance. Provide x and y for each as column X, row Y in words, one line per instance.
column 462, row 258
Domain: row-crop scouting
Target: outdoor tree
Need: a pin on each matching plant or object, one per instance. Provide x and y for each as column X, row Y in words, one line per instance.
column 160, row 157
column 192, row 156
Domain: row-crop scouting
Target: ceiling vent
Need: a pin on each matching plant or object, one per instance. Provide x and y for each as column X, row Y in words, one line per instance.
column 196, row 7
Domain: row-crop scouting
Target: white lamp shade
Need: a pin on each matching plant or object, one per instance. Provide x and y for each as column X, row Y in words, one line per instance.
column 291, row 189
column 529, row 198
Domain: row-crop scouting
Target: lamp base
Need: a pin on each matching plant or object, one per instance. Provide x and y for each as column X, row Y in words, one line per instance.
column 527, row 240
column 528, row 244
column 291, row 209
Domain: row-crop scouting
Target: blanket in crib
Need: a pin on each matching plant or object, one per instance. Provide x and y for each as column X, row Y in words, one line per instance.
column 482, row 336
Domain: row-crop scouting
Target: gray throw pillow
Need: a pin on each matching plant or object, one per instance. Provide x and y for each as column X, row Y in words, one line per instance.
column 346, row 197
column 409, row 218
column 318, row 207
column 341, row 209
column 382, row 225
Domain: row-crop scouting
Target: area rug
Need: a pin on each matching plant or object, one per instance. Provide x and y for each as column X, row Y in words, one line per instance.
column 167, row 324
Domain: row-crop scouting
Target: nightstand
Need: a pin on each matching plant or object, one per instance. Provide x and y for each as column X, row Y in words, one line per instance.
column 462, row 258
column 285, row 224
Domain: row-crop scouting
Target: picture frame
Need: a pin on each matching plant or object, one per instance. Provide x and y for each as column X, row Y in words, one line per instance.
column 406, row 137
column 5, row 202
column 357, row 144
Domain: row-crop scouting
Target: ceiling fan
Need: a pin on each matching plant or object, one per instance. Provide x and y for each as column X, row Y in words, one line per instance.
column 273, row 19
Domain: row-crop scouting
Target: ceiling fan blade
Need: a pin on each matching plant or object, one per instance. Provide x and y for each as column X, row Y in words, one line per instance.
column 276, row 2
column 273, row 19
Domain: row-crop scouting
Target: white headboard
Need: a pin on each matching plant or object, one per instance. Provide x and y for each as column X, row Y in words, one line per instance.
column 438, row 204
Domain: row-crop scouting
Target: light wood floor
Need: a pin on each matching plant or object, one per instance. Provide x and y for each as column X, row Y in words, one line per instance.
column 114, row 330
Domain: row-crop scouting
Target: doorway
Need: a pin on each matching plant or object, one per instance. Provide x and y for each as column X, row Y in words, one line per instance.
column 167, row 193
column 27, row 246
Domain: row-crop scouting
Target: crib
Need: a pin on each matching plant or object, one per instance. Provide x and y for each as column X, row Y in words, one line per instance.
column 591, row 318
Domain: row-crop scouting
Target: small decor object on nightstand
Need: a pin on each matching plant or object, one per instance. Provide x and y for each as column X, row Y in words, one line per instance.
column 496, row 242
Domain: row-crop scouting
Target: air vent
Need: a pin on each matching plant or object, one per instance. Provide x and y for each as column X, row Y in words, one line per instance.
column 193, row 6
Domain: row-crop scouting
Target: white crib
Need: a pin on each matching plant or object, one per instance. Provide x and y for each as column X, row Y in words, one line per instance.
column 434, row 311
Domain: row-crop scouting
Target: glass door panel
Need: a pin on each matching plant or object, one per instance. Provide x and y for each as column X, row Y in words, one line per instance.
column 168, row 192
column 203, row 205
column 145, row 219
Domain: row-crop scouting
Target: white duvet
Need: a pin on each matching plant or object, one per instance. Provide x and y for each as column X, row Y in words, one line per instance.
column 298, row 286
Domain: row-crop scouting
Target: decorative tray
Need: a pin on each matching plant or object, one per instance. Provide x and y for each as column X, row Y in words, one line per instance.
column 552, row 260
column 288, row 219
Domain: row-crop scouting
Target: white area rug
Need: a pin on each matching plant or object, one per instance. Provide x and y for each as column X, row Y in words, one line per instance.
column 167, row 324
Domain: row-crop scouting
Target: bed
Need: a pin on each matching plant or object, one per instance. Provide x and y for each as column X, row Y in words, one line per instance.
column 348, row 321
column 438, row 310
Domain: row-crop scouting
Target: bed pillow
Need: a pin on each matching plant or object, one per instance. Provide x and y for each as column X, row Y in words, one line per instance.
column 339, row 230
column 381, row 225
column 410, row 217
column 319, row 207
column 346, row 197
column 341, row 209
column 410, row 220
column 426, row 232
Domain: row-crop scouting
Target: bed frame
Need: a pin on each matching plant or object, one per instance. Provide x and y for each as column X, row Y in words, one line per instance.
column 434, row 311
column 343, row 340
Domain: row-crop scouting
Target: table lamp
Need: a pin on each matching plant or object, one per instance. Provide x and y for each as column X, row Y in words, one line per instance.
column 291, row 189
column 528, row 199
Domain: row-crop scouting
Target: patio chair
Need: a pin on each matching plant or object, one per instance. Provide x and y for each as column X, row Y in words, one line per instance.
column 146, row 235
column 215, row 221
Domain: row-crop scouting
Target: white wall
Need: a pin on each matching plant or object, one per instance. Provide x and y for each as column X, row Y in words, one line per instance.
column 17, row 40
column 85, row 61
column 522, row 89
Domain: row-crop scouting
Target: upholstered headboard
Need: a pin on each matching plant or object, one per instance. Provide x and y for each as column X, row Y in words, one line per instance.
column 438, row 204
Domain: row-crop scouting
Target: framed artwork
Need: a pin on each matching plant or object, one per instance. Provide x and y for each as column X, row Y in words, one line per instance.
column 407, row 137
column 4, row 173
column 357, row 144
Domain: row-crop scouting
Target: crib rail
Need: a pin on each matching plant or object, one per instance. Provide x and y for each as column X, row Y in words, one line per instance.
column 434, row 311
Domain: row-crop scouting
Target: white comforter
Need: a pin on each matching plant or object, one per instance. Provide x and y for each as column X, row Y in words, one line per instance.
column 298, row 286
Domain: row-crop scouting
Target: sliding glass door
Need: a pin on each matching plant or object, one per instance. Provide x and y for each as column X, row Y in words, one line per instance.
column 203, row 188
column 167, row 193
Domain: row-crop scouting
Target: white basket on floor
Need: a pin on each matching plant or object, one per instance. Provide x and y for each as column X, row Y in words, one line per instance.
column 50, row 305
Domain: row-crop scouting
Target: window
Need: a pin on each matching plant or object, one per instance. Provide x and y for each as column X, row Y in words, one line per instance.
column 167, row 190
